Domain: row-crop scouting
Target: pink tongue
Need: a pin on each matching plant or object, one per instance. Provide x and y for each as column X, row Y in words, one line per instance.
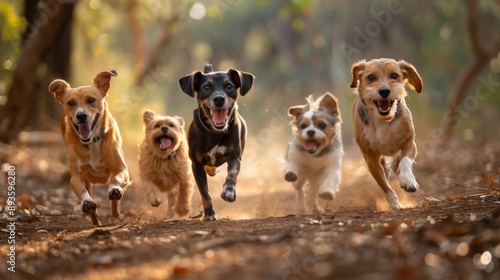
column 384, row 104
column 84, row 130
column 310, row 146
column 219, row 116
column 165, row 143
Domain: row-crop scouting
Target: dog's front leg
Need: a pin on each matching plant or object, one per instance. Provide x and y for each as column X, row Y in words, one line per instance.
column 378, row 172
column 229, row 188
column 201, row 180
column 80, row 188
column 403, row 167
column 117, row 186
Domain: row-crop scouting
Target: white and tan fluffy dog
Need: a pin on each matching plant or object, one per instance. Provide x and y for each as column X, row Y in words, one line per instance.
column 315, row 151
column 164, row 163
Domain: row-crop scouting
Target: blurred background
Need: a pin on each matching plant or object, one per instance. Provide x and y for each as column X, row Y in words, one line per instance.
column 294, row 48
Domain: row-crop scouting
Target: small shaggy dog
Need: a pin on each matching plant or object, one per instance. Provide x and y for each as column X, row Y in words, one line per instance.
column 315, row 152
column 164, row 163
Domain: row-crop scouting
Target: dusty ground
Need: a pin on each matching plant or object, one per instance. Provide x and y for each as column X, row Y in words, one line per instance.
column 451, row 229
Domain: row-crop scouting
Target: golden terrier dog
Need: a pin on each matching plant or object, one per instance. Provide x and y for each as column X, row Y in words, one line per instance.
column 164, row 163
column 315, row 152
column 383, row 125
column 93, row 142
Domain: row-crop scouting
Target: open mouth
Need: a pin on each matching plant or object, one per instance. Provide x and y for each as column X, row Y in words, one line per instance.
column 311, row 146
column 85, row 129
column 384, row 106
column 164, row 142
column 219, row 117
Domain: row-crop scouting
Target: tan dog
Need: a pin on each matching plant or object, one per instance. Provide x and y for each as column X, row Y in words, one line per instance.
column 315, row 152
column 93, row 142
column 164, row 162
column 383, row 125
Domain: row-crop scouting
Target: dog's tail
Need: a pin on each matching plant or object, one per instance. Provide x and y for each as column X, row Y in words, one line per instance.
column 208, row 68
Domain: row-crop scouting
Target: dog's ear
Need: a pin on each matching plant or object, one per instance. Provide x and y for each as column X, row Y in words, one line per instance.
column 411, row 76
column 148, row 116
column 190, row 83
column 102, row 81
column 243, row 80
column 180, row 120
column 296, row 111
column 58, row 88
column 356, row 70
column 330, row 103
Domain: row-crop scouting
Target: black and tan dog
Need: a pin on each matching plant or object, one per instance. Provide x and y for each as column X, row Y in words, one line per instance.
column 217, row 133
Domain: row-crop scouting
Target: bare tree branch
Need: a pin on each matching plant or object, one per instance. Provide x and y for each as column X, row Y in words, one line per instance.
column 467, row 77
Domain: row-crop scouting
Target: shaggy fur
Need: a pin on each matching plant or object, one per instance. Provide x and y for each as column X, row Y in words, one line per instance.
column 164, row 163
column 315, row 152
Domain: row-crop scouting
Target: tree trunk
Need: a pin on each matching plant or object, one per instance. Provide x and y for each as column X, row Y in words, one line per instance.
column 22, row 95
column 482, row 56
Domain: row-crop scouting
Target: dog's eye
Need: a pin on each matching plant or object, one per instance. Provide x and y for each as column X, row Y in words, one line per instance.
column 91, row 100
column 394, row 76
column 207, row 87
column 371, row 78
column 172, row 125
column 71, row 103
column 157, row 125
column 229, row 87
column 322, row 125
column 303, row 126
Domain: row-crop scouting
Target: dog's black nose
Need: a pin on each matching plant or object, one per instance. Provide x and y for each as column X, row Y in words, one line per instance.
column 310, row 133
column 219, row 101
column 164, row 129
column 81, row 116
column 384, row 91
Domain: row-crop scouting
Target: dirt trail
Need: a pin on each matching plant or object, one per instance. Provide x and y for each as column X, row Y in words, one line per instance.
column 451, row 230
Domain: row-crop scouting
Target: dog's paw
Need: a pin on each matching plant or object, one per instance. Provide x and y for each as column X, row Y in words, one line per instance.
column 328, row 195
column 156, row 202
column 408, row 182
column 228, row 193
column 210, row 218
column 182, row 209
column 89, row 206
column 406, row 178
column 393, row 201
column 209, row 214
column 115, row 193
column 318, row 209
column 291, row 176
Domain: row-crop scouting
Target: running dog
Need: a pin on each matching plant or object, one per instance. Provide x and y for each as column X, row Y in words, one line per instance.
column 383, row 125
column 164, row 164
column 315, row 152
column 93, row 142
column 217, row 133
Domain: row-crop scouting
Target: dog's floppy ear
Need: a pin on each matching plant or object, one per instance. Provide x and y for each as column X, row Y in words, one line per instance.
column 356, row 70
column 148, row 116
column 243, row 80
column 102, row 80
column 58, row 88
column 411, row 75
column 329, row 102
column 180, row 120
column 190, row 83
